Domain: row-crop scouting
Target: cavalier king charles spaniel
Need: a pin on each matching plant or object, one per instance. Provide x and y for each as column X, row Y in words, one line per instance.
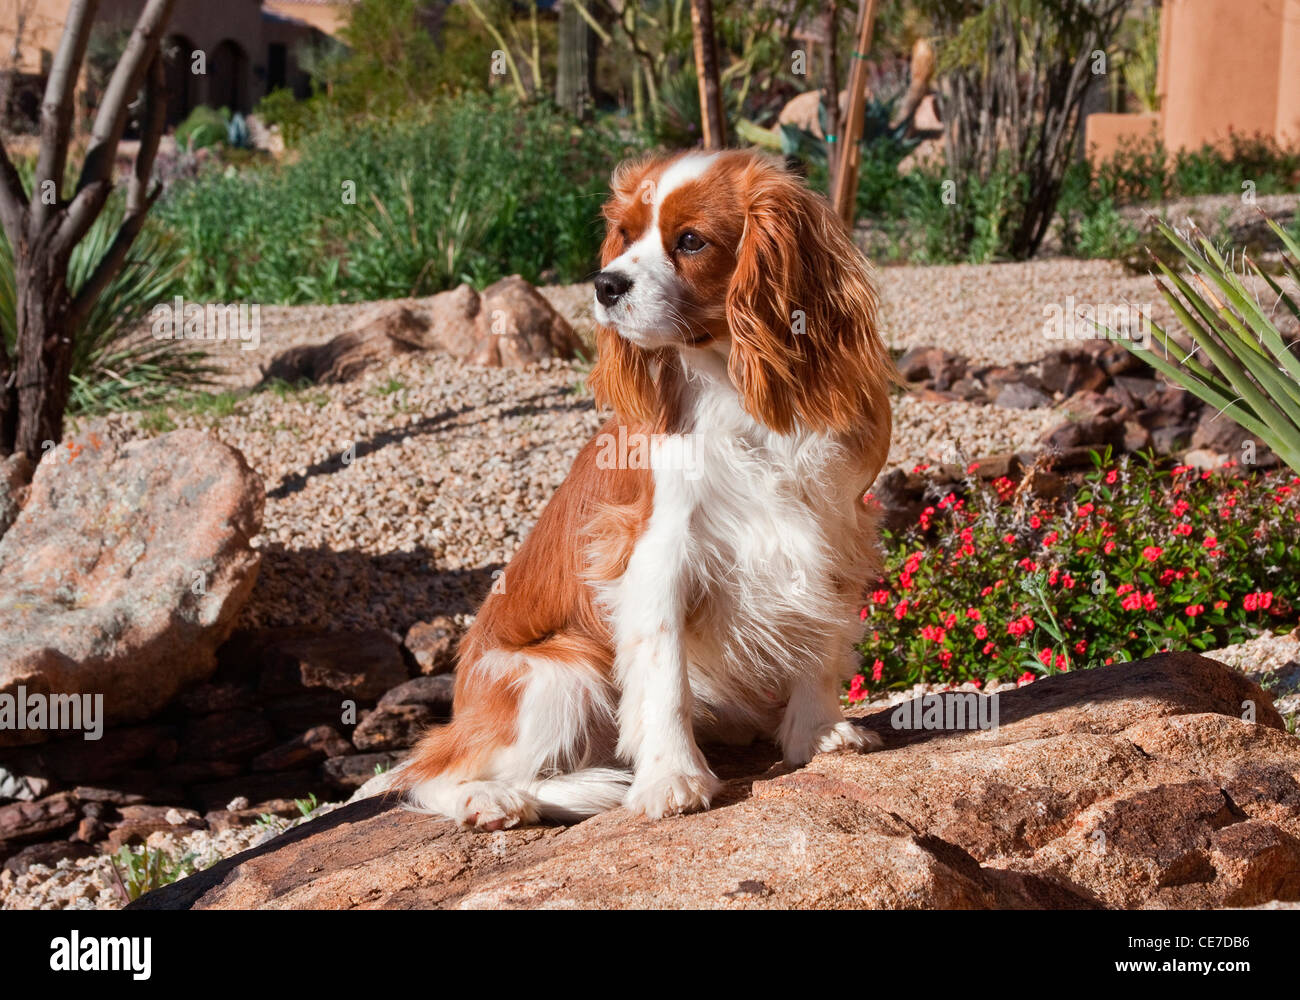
column 699, row 574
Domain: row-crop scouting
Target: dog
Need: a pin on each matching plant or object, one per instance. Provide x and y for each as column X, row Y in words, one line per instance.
column 699, row 574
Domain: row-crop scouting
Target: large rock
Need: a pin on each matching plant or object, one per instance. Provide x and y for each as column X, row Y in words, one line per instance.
column 509, row 324
column 125, row 570
column 517, row 326
column 1136, row 785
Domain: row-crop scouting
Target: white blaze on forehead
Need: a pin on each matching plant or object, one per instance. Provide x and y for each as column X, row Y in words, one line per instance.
column 690, row 167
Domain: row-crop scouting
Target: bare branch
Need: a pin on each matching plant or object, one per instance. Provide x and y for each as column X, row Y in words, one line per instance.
column 56, row 108
column 110, row 120
column 139, row 197
column 13, row 201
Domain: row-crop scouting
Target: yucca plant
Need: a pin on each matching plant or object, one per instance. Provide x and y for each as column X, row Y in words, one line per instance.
column 1235, row 357
column 114, row 365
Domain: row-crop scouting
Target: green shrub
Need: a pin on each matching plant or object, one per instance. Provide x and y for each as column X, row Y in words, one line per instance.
column 204, row 126
column 1139, row 561
column 471, row 189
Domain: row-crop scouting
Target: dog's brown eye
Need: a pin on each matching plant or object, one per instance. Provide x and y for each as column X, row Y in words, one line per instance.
column 690, row 242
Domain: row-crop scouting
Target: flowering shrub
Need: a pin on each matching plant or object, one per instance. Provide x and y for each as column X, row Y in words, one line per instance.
column 1138, row 561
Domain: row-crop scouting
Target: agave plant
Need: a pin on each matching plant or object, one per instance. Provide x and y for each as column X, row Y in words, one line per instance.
column 113, row 364
column 1235, row 358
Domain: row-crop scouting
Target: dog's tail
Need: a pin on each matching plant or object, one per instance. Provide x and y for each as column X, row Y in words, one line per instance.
column 574, row 796
column 447, row 760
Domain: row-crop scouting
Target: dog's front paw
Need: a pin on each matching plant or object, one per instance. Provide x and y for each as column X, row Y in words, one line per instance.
column 492, row 805
column 842, row 735
column 660, row 794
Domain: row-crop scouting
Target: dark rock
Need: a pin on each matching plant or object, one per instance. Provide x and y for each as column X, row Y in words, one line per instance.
column 312, row 747
column 433, row 644
column 138, row 822
column 227, row 736
column 23, row 821
column 1172, row 439
column 1069, row 372
column 224, row 696
column 49, row 854
column 1219, row 433
column 219, row 820
column 306, row 710
column 110, row 796
column 1136, row 437
column 360, row 665
column 1097, row 433
column 436, row 692
column 1140, row 387
column 1021, row 396
column 347, row 774
column 396, row 727
column 932, row 364
column 1091, row 404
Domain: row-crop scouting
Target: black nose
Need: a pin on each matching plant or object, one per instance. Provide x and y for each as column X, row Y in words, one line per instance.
column 611, row 286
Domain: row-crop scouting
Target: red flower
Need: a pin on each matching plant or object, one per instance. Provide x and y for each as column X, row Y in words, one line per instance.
column 1108, row 548
column 877, row 669
column 1193, row 610
column 1081, row 646
column 1026, row 678
column 1111, row 476
column 973, row 614
column 1182, row 529
column 856, row 692
column 900, row 612
column 1050, row 538
column 981, row 631
column 1152, row 552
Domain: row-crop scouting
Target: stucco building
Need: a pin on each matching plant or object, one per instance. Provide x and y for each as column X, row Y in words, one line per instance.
column 247, row 46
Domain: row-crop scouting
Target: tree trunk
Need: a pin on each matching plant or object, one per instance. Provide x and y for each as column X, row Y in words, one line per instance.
column 44, row 367
column 706, row 69
column 831, row 94
column 573, row 76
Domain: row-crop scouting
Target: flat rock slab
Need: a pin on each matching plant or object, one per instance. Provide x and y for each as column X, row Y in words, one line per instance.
column 1135, row 785
column 125, row 570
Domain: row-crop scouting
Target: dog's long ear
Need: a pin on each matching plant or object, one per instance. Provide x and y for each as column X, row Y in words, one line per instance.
column 623, row 377
column 802, row 315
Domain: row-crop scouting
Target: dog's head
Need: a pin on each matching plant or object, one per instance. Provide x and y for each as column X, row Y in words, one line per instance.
column 729, row 252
